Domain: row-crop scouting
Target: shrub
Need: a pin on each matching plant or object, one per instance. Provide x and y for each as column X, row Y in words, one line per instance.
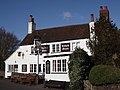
column 104, row 74
column 79, row 67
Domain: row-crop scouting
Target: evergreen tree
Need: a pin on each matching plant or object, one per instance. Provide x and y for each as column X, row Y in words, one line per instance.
column 79, row 67
column 105, row 43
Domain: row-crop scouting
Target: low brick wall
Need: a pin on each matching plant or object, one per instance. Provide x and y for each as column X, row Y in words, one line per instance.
column 89, row 86
column 108, row 87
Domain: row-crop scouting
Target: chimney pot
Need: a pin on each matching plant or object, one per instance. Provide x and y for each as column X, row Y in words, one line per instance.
column 92, row 17
column 101, row 8
column 31, row 18
column 105, row 8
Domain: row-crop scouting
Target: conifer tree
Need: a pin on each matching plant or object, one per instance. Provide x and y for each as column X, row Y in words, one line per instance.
column 105, row 43
column 79, row 67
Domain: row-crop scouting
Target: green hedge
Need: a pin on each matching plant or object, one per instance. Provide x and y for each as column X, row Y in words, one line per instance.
column 103, row 75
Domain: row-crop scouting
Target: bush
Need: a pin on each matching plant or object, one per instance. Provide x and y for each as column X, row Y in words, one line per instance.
column 104, row 74
column 79, row 67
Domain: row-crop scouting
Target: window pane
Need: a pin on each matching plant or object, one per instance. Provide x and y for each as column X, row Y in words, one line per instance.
column 24, row 68
column 64, row 65
column 32, row 50
column 53, row 48
column 78, row 44
column 73, row 46
column 54, row 65
column 39, row 68
column 19, row 54
column 59, row 65
column 57, row 47
column 31, row 67
column 10, row 68
column 43, row 67
column 35, row 67
column 15, row 68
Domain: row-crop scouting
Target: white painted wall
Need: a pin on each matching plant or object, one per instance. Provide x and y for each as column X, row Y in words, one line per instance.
column 58, row 76
column 64, row 76
column 92, row 32
column 31, row 27
column 32, row 59
column 19, row 60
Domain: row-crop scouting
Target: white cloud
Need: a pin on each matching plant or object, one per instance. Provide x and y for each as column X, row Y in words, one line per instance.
column 67, row 15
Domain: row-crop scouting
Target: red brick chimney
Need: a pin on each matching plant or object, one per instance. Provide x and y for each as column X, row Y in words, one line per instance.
column 104, row 12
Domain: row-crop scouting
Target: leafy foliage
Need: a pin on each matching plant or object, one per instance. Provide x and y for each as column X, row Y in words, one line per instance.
column 8, row 44
column 103, row 74
column 105, row 43
column 79, row 67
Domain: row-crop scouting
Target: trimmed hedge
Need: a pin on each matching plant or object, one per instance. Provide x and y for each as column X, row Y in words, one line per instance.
column 104, row 74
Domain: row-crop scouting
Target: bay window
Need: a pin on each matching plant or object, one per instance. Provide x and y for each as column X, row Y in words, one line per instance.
column 59, row 66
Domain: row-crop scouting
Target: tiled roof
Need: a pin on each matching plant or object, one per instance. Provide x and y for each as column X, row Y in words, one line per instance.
column 56, row 34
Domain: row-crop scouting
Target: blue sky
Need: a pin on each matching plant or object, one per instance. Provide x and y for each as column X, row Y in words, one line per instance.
column 14, row 14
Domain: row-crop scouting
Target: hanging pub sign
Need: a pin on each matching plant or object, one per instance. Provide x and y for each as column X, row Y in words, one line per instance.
column 65, row 47
column 45, row 48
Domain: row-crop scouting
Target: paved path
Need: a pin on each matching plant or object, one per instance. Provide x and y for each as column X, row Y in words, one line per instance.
column 8, row 85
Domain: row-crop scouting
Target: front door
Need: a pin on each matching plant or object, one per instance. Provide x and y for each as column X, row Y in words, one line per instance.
column 47, row 67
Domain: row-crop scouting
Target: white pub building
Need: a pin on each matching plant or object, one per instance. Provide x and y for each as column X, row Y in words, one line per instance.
column 53, row 57
column 55, row 46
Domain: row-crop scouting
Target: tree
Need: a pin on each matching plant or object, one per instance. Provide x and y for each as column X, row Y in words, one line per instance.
column 79, row 67
column 8, row 44
column 105, row 43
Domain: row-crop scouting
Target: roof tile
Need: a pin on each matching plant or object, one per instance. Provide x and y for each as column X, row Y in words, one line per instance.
column 72, row 32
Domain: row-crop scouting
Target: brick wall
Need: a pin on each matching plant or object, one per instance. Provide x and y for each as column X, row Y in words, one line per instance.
column 89, row 86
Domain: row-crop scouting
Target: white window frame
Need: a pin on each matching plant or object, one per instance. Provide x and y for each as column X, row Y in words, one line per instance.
column 59, row 65
column 78, row 44
column 64, row 65
column 54, row 66
column 10, row 68
column 73, row 46
column 35, row 67
column 15, row 68
column 53, row 48
column 57, row 47
column 24, row 67
column 31, row 67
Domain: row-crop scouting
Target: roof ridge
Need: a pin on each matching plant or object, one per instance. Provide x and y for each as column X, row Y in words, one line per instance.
column 62, row 26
